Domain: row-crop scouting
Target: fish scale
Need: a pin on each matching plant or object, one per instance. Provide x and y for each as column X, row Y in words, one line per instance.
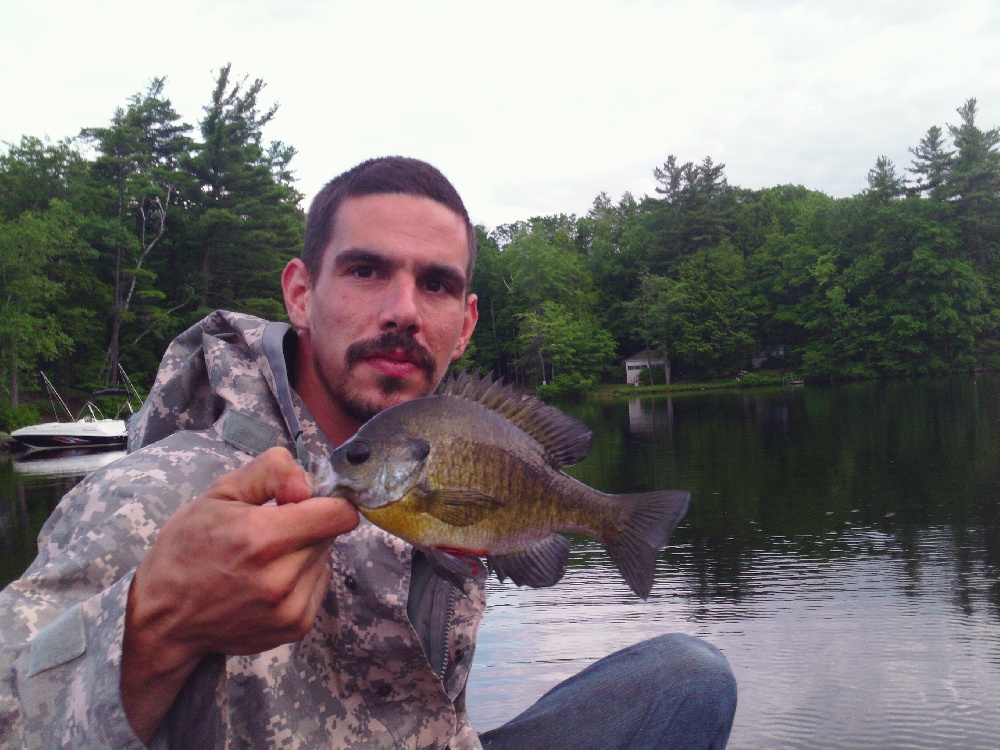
column 501, row 474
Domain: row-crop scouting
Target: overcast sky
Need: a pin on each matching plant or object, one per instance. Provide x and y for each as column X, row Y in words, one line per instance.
column 531, row 108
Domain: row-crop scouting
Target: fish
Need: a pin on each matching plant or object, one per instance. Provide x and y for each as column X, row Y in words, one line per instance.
column 475, row 471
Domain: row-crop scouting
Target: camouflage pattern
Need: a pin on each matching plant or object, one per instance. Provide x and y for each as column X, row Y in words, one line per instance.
column 359, row 679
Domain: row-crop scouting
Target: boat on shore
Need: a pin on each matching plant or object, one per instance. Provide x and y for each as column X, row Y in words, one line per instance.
column 88, row 429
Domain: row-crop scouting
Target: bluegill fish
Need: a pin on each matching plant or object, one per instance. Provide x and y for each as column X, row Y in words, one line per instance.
column 476, row 471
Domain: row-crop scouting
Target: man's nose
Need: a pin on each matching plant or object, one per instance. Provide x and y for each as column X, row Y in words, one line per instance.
column 400, row 309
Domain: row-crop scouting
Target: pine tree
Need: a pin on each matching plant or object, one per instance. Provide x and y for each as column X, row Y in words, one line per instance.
column 249, row 223
column 883, row 183
column 974, row 184
column 139, row 165
column 695, row 212
column 931, row 164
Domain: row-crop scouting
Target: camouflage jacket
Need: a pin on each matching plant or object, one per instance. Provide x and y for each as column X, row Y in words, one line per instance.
column 363, row 677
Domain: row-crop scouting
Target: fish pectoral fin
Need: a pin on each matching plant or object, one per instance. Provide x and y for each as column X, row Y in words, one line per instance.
column 540, row 565
column 458, row 507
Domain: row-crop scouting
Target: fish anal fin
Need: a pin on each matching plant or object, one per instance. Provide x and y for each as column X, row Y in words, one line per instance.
column 566, row 440
column 540, row 565
column 456, row 507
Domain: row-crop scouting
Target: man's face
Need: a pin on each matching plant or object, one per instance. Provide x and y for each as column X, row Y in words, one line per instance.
column 388, row 311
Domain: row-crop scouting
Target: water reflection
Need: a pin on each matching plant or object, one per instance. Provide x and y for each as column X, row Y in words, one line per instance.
column 650, row 416
column 842, row 652
column 31, row 485
column 73, row 463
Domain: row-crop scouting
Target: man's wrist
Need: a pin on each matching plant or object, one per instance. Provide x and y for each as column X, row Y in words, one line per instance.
column 154, row 665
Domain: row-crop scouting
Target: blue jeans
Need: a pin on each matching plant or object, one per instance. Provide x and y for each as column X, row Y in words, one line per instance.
column 673, row 691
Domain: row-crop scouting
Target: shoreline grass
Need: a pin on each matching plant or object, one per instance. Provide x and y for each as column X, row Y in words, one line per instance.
column 750, row 380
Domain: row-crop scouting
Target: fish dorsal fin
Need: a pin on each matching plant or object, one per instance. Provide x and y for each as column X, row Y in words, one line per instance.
column 566, row 441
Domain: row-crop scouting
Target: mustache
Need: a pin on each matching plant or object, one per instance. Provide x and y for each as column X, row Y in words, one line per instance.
column 391, row 342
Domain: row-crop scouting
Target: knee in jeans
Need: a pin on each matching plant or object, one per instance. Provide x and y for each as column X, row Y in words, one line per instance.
column 696, row 664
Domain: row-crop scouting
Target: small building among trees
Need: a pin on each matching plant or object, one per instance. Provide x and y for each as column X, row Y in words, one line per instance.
column 643, row 360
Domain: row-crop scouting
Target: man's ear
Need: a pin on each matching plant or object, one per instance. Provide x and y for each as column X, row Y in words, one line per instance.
column 468, row 326
column 296, row 286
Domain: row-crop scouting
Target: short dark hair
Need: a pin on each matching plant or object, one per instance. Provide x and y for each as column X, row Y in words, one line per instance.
column 382, row 175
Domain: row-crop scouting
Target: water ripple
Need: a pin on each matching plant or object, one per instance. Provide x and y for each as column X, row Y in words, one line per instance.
column 869, row 649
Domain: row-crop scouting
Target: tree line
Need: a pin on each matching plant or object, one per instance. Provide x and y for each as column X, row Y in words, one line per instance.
column 901, row 279
column 114, row 241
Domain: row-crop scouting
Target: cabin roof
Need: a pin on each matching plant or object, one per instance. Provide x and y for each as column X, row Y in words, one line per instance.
column 644, row 356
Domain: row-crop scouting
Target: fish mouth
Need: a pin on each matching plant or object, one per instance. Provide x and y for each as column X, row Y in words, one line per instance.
column 327, row 482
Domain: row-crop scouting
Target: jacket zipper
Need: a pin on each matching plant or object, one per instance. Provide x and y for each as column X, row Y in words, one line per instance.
column 446, row 661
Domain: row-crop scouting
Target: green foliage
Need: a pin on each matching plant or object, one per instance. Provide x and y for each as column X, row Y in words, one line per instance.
column 652, row 376
column 895, row 297
column 973, row 183
column 760, row 379
column 696, row 212
column 884, row 184
column 566, row 386
column 714, row 321
column 932, row 162
column 540, row 304
column 486, row 350
column 246, row 212
column 30, row 292
column 652, row 313
column 573, row 342
column 139, row 170
column 34, row 172
column 613, row 244
column 105, row 259
column 13, row 417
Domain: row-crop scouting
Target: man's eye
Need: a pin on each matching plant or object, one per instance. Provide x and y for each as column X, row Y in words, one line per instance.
column 437, row 286
column 363, row 272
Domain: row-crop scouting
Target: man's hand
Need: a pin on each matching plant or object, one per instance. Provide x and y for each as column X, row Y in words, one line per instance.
column 227, row 574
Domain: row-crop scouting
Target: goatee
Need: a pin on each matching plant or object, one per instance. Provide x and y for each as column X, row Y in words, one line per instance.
column 357, row 405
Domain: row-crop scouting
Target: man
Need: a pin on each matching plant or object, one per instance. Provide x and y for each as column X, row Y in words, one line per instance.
column 172, row 605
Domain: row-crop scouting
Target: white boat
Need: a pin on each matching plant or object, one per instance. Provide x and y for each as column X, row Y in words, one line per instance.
column 89, row 429
column 88, row 432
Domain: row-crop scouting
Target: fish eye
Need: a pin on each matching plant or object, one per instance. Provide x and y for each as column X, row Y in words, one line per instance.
column 421, row 449
column 357, row 453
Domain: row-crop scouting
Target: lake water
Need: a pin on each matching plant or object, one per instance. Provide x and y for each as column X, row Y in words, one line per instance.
column 842, row 549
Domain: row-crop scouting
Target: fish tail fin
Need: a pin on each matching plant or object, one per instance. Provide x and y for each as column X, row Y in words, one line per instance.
column 649, row 519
